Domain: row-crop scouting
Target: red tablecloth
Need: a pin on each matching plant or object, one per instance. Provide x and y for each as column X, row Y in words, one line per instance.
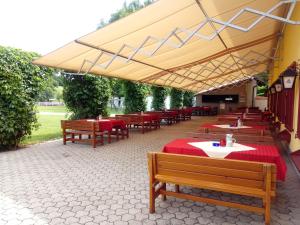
column 118, row 123
column 264, row 153
column 109, row 124
column 255, row 127
column 105, row 125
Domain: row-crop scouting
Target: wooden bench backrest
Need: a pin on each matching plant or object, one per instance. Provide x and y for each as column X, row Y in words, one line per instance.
column 240, row 138
column 83, row 125
column 234, row 131
column 127, row 119
column 235, row 172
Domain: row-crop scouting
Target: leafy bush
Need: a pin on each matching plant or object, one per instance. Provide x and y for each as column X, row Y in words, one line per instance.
column 134, row 97
column 176, row 98
column 86, row 96
column 188, row 97
column 159, row 95
column 20, row 83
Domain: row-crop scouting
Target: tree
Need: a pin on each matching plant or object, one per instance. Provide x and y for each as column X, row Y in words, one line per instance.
column 20, row 83
column 188, row 97
column 116, row 87
column 159, row 95
column 134, row 97
column 116, row 84
column 86, row 96
column 125, row 11
column 176, row 98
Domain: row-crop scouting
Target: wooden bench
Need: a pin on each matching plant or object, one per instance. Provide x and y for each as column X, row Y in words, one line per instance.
column 235, row 131
column 136, row 121
column 124, row 132
column 73, row 128
column 240, row 138
column 231, row 176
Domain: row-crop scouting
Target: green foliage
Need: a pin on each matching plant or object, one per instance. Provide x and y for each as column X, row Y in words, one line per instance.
column 86, row 96
column 125, row 11
column 134, row 97
column 20, row 83
column 262, row 90
column 116, row 86
column 159, row 95
column 188, row 98
column 176, row 98
column 50, row 87
column 59, row 93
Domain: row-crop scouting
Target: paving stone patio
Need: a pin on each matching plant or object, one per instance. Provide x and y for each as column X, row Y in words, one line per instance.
column 51, row 183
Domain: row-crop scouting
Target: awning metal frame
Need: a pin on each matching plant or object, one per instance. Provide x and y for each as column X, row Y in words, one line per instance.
column 190, row 34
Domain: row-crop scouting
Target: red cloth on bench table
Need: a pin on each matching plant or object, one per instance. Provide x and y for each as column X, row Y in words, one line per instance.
column 118, row 123
column 105, row 125
column 263, row 153
column 254, row 127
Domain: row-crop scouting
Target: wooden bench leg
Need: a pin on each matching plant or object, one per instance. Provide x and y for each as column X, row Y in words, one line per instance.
column 109, row 137
column 94, row 140
column 267, row 212
column 73, row 136
column 164, row 187
column 117, row 130
column 102, row 139
column 152, row 199
column 64, row 138
column 177, row 190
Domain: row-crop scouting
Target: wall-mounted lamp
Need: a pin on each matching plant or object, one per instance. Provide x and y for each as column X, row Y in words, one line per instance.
column 273, row 91
column 288, row 76
column 278, row 86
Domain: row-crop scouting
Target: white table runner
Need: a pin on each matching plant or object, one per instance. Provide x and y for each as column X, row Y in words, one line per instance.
column 219, row 152
column 227, row 126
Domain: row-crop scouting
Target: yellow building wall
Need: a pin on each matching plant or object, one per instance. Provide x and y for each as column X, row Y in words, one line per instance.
column 289, row 51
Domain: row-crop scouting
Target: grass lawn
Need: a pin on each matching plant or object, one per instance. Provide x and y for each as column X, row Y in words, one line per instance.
column 50, row 124
column 49, row 129
column 59, row 108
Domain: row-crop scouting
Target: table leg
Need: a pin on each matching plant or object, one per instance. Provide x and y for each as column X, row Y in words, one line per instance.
column 109, row 136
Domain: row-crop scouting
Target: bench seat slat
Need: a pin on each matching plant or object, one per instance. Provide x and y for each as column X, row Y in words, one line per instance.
column 211, row 178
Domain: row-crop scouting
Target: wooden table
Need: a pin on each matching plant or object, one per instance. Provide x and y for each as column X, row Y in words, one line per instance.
column 263, row 153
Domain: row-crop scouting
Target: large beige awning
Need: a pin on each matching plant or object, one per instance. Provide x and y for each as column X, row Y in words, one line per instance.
column 194, row 45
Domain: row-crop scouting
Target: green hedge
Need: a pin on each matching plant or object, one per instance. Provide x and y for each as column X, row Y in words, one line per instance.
column 176, row 98
column 159, row 95
column 86, row 96
column 188, row 97
column 20, row 83
column 135, row 97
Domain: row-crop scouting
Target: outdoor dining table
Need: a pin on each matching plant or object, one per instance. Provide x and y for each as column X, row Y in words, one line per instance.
column 144, row 120
column 249, row 152
column 107, row 125
column 235, row 118
column 228, row 126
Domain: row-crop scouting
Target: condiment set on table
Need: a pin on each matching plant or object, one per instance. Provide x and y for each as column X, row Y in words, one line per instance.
column 228, row 142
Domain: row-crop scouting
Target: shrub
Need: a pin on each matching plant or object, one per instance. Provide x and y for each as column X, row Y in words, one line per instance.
column 86, row 96
column 188, row 97
column 20, row 83
column 159, row 95
column 176, row 98
column 134, row 97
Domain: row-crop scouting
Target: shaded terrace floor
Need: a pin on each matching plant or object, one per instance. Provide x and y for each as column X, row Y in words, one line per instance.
column 51, row 183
